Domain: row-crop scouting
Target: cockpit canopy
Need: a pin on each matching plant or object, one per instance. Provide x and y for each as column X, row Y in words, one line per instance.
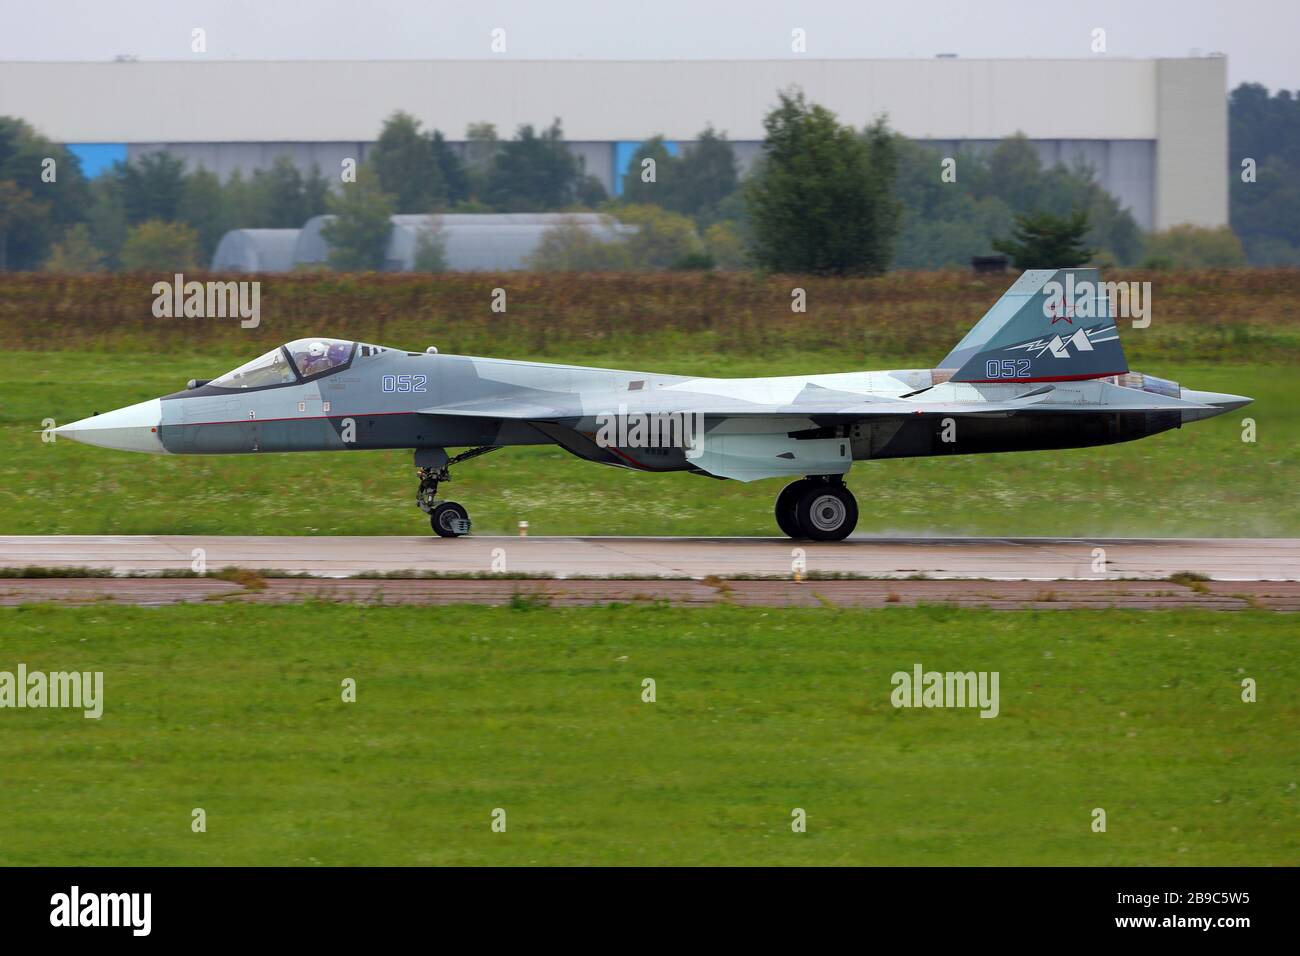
column 300, row 359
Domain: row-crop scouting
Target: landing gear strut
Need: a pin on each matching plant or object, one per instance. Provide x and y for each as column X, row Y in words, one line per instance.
column 447, row 518
column 819, row 508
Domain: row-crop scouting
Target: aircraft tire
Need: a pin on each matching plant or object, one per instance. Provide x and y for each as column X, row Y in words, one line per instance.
column 827, row 512
column 786, row 503
column 446, row 519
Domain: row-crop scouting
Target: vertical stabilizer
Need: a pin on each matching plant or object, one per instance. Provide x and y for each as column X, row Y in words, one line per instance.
column 1052, row 325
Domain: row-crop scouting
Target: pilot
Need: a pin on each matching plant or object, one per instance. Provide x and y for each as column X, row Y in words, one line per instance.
column 315, row 359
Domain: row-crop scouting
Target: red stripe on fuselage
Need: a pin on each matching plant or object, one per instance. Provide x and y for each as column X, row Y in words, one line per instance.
column 620, row 454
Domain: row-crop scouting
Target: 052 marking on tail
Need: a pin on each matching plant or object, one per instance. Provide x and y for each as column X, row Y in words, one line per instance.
column 1013, row 383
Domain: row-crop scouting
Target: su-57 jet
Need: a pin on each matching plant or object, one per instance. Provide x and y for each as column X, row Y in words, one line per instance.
column 1043, row 369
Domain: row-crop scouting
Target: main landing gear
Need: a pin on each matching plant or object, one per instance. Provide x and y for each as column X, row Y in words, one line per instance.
column 448, row 519
column 819, row 508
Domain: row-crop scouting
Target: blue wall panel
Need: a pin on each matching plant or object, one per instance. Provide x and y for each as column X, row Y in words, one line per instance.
column 96, row 158
column 623, row 152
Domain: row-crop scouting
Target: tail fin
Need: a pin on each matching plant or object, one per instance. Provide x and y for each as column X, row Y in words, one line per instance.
column 1052, row 325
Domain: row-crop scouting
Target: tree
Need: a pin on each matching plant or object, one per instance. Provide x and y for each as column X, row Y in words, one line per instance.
column 1067, row 188
column 152, row 187
column 454, row 174
column 725, row 246
column 75, row 253
column 315, row 194
column 481, row 148
column 277, row 197
column 636, row 189
column 160, row 246
column 1112, row 227
column 572, row 247
column 591, row 192
column 533, row 173
column 48, row 175
column 1194, row 247
column 107, row 218
column 1015, row 174
column 202, row 208
column 663, row 239
column 358, row 235
column 1264, row 131
column 407, row 168
column 18, row 209
column 706, row 175
column 965, row 227
column 946, row 221
column 821, row 199
column 887, row 211
column 694, row 184
column 240, row 200
column 1041, row 240
column 430, row 250
column 1263, row 126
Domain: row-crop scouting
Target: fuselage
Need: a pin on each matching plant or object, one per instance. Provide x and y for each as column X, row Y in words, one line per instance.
column 1043, row 369
column 357, row 396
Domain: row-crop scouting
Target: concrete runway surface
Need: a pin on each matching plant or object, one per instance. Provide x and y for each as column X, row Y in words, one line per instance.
column 1005, row 559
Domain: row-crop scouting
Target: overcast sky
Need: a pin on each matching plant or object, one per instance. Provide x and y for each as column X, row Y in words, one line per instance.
column 1258, row 36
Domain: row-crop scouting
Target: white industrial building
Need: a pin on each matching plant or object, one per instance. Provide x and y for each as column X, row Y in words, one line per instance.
column 1155, row 130
column 256, row 250
column 475, row 242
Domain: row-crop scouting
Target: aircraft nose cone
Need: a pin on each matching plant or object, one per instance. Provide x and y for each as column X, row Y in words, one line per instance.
column 134, row 428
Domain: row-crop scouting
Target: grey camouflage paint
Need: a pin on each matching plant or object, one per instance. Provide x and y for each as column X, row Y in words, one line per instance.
column 753, row 428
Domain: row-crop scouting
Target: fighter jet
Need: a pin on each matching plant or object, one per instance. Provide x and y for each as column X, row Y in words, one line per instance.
column 1043, row 369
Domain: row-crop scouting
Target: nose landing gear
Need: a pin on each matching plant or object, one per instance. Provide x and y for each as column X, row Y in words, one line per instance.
column 819, row 508
column 448, row 519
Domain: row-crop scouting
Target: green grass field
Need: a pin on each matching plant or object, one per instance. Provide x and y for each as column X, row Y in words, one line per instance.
column 1198, row 480
column 461, row 710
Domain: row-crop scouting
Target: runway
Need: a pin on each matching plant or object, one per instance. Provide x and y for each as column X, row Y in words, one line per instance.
column 998, row 559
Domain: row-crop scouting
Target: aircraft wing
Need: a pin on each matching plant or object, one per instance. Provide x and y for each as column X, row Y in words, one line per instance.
column 748, row 439
column 556, row 407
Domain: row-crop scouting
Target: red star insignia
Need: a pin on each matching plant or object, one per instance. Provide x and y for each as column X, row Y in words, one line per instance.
column 1062, row 316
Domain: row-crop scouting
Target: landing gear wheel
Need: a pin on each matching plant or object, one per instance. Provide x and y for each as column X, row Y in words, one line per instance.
column 786, row 502
column 827, row 512
column 449, row 520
